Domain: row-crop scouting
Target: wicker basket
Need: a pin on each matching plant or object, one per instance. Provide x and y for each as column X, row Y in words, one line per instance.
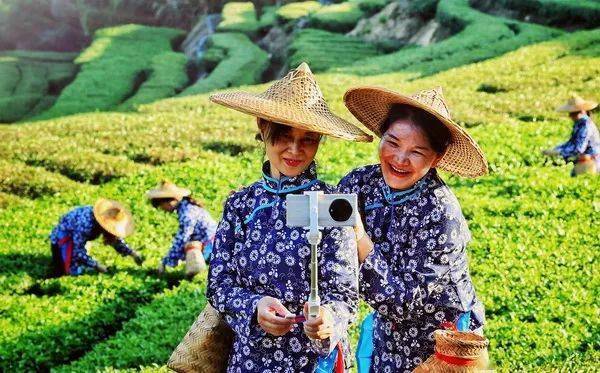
column 194, row 260
column 457, row 352
column 205, row 348
column 585, row 165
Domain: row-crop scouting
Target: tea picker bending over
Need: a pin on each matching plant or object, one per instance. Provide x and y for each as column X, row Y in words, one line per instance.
column 86, row 223
column 194, row 239
column 583, row 148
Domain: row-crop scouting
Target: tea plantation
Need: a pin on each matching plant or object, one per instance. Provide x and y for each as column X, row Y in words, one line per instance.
column 533, row 258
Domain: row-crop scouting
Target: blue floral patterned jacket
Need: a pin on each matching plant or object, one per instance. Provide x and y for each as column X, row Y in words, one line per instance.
column 256, row 254
column 417, row 275
column 585, row 139
column 195, row 224
column 81, row 226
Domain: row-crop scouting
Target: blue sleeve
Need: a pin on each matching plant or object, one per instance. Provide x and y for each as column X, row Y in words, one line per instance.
column 176, row 253
column 577, row 143
column 338, row 281
column 440, row 280
column 235, row 302
column 121, row 247
column 80, row 255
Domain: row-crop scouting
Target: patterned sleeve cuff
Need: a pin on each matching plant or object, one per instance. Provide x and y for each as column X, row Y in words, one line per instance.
column 340, row 328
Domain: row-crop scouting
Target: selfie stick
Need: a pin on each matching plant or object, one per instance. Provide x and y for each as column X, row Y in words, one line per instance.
column 314, row 237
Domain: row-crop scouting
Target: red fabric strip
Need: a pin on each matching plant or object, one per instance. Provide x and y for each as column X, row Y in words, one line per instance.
column 339, row 362
column 68, row 254
column 460, row 361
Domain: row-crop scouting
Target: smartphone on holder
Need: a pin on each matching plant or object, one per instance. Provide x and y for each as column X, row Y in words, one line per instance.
column 296, row 318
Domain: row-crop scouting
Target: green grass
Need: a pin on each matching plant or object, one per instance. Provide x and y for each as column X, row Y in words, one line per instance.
column 479, row 37
column 323, row 50
column 239, row 17
column 111, row 65
column 532, row 259
column 243, row 64
column 293, row 11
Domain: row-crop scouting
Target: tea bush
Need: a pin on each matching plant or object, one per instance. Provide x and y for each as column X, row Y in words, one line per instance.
column 239, row 17
column 243, row 64
column 113, row 67
column 323, row 50
column 479, row 36
column 294, row 11
column 30, row 81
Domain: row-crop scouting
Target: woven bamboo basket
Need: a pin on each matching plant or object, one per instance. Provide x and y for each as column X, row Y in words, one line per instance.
column 206, row 346
column 194, row 260
column 457, row 352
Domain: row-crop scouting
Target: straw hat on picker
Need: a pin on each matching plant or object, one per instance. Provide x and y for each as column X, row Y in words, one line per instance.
column 577, row 104
column 371, row 106
column 113, row 217
column 295, row 100
column 166, row 189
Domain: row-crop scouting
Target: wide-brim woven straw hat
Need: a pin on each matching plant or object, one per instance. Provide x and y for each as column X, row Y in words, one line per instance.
column 166, row 189
column 457, row 352
column 371, row 106
column 577, row 104
column 113, row 217
column 295, row 100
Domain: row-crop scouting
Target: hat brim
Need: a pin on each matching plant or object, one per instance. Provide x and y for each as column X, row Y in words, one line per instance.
column 371, row 106
column 569, row 108
column 121, row 228
column 156, row 194
column 279, row 112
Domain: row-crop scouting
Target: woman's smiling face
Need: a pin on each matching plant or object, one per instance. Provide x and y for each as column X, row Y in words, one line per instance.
column 405, row 154
column 291, row 151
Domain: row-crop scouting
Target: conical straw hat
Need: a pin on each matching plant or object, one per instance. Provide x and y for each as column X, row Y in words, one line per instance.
column 371, row 106
column 296, row 101
column 166, row 189
column 577, row 104
column 113, row 217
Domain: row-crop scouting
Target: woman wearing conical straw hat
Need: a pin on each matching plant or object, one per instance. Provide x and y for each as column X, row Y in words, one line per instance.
column 259, row 276
column 413, row 236
column 583, row 148
column 194, row 239
column 106, row 218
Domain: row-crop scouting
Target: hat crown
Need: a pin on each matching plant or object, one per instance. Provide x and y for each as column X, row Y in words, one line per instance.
column 434, row 98
column 298, row 86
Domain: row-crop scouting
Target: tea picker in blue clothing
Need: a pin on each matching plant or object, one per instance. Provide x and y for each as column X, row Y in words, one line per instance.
column 259, row 278
column 194, row 239
column 583, row 148
column 413, row 237
column 106, row 218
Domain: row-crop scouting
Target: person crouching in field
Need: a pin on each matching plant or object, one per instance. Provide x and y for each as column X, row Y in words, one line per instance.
column 194, row 239
column 259, row 277
column 583, row 148
column 106, row 218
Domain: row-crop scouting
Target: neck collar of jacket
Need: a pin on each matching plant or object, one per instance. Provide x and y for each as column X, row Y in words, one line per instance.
column 396, row 197
column 181, row 205
column 286, row 184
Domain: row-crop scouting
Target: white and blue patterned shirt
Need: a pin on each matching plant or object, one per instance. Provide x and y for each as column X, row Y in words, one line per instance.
column 585, row 139
column 417, row 275
column 195, row 224
column 256, row 254
column 81, row 226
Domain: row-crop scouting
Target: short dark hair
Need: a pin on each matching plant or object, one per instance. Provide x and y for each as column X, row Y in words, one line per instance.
column 436, row 132
column 158, row 201
column 272, row 131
